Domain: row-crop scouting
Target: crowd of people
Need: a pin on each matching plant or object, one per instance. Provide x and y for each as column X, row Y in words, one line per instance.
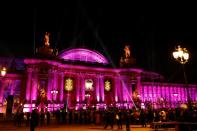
column 109, row 117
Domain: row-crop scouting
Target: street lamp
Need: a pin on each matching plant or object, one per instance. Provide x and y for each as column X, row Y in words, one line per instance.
column 53, row 92
column 3, row 71
column 182, row 56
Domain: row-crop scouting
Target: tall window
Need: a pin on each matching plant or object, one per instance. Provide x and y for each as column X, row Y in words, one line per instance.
column 107, row 85
column 68, row 84
column 89, row 84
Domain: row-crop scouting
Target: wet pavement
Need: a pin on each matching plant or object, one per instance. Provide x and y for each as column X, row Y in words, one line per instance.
column 11, row 127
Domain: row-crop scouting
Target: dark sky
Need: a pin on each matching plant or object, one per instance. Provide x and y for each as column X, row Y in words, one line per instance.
column 151, row 31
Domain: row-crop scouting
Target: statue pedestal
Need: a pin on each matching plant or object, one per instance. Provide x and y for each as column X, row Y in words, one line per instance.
column 45, row 51
column 127, row 62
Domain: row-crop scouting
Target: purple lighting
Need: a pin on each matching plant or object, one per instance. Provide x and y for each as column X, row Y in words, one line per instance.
column 84, row 86
column 80, row 54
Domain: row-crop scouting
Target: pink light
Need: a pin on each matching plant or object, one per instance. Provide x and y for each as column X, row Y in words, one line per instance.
column 175, row 94
column 98, row 98
column 26, row 109
column 77, row 99
column 116, row 98
column 81, row 54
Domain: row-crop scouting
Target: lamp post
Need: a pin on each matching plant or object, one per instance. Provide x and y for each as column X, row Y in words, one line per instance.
column 53, row 92
column 182, row 56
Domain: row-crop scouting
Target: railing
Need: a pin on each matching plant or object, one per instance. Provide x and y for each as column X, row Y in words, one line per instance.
column 178, row 125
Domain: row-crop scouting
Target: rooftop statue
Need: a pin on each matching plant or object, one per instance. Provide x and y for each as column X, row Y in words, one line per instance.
column 127, row 51
column 46, row 39
column 46, row 50
column 127, row 60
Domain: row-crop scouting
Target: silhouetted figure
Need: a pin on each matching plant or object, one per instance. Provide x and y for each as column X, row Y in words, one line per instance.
column 18, row 118
column 119, row 119
column 127, row 121
column 58, row 116
column 109, row 119
column 70, row 117
column 143, row 118
column 48, row 117
column 28, row 118
column 80, row 117
column 76, row 117
column 42, row 118
column 34, row 120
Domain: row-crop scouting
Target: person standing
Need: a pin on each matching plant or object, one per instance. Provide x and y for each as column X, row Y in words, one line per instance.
column 119, row 119
column 107, row 119
column 48, row 117
column 127, row 121
column 33, row 120
column 42, row 115
column 143, row 118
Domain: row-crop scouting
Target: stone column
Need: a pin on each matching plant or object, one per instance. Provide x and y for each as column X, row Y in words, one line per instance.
column 12, row 87
column 124, row 90
column 34, row 87
column 50, row 84
column 119, row 89
column 78, row 88
column 97, row 89
column 82, row 88
column 61, row 92
column 102, row 92
column 29, row 84
column 116, row 87
column 139, row 86
column 55, row 84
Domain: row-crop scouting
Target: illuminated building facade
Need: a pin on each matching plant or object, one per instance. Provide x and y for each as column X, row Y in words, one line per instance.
column 81, row 78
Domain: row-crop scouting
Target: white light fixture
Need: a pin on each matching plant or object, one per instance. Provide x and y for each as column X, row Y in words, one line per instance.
column 89, row 84
column 3, row 71
column 181, row 55
column 54, row 92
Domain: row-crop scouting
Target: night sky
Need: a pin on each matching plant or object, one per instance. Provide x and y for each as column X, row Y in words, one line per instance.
column 151, row 31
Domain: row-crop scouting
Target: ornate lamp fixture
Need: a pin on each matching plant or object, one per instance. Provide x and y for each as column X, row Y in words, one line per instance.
column 181, row 55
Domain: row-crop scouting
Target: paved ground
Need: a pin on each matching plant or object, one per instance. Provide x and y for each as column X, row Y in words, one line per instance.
column 11, row 127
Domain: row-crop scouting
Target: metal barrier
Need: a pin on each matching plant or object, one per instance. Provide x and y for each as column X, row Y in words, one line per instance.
column 188, row 125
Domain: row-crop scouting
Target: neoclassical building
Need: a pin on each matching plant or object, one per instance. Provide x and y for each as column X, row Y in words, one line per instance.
column 81, row 78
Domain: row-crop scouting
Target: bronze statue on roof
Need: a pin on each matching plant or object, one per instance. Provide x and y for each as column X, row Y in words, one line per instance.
column 127, row 51
column 127, row 60
column 46, row 39
column 46, row 50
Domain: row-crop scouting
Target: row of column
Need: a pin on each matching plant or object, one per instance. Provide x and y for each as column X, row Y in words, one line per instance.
column 56, row 82
column 9, row 86
column 32, row 84
column 169, row 92
column 80, row 88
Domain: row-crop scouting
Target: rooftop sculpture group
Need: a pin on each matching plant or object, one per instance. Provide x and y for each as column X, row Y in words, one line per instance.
column 127, row 60
column 46, row 50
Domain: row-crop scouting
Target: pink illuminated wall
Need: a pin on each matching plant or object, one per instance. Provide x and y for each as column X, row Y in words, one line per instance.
column 168, row 92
